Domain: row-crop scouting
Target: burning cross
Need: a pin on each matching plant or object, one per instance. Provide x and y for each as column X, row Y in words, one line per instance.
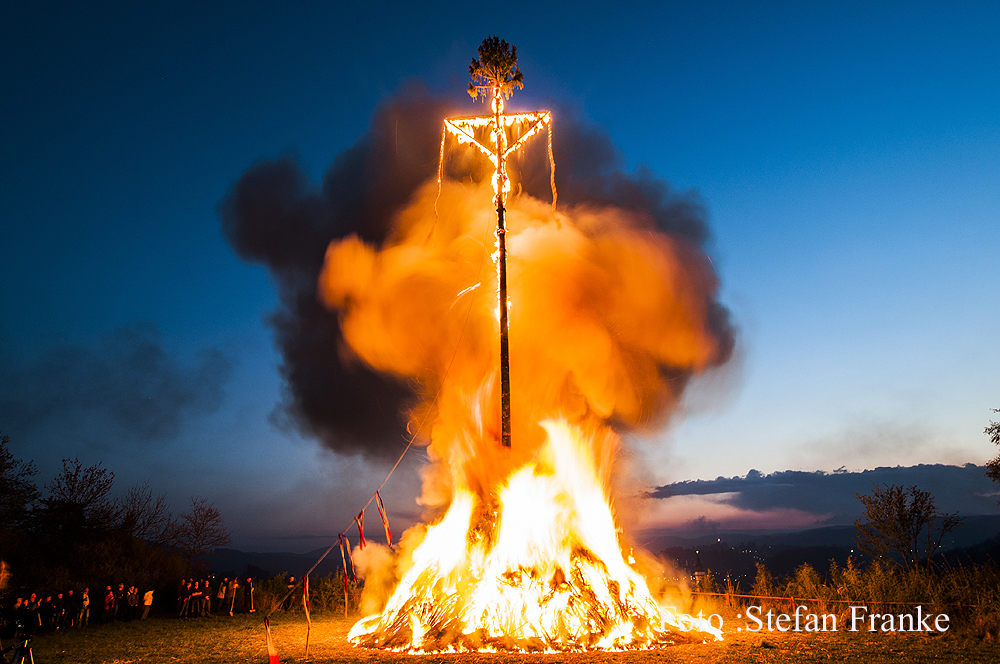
column 496, row 74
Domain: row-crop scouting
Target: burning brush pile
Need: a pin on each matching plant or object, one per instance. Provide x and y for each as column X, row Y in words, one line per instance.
column 611, row 311
column 607, row 320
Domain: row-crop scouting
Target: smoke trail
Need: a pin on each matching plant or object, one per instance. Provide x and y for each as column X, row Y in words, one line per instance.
column 355, row 372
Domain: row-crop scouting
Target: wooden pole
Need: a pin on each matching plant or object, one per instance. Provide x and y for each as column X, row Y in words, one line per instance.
column 504, row 350
column 501, row 147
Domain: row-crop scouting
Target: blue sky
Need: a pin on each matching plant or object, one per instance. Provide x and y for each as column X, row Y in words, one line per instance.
column 847, row 155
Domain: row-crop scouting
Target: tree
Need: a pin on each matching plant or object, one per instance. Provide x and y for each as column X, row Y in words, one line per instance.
column 86, row 491
column 18, row 499
column 993, row 467
column 18, row 493
column 902, row 525
column 75, row 532
column 197, row 532
column 144, row 517
column 496, row 69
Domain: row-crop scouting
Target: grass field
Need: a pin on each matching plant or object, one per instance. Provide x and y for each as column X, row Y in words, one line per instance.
column 241, row 639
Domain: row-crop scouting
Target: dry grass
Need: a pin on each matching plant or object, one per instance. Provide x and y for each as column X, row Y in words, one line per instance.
column 241, row 639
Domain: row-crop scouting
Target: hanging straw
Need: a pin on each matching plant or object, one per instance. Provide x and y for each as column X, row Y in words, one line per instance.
column 305, row 607
column 385, row 518
column 272, row 652
column 360, row 520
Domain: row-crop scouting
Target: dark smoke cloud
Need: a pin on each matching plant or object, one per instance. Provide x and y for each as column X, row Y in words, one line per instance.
column 965, row 489
column 276, row 217
column 127, row 382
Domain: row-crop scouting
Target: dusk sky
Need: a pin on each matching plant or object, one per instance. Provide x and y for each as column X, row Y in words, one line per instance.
column 847, row 157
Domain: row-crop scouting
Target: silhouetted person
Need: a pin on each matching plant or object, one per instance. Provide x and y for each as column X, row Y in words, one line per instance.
column 72, row 609
column 147, row 602
column 230, row 599
column 248, row 596
column 121, row 602
column 109, row 605
column 83, row 617
column 186, row 600
column 220, row 595
column 290, row 600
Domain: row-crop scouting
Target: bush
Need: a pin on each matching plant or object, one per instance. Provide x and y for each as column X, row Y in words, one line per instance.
column 969, row 594
column 326, row 594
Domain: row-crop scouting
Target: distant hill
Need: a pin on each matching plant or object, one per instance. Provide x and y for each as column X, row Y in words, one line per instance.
column 974, row 530
column 737, row 553
column 230, row 562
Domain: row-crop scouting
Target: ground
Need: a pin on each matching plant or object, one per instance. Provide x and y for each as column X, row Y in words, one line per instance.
column 241, row 639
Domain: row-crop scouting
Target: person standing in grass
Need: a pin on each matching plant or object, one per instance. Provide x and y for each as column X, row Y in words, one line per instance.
column 147, row 601
column 220, row 595
column 72, row 609
column 248, row 595
column 206, row 599
column 58, row 611
column 121, row 602
column 181, row 594
column 21, row 611
column 197, row 595
column 109, row 605
column 46, row 612
column 11, row 615
column 231, row 594
column 185, row 600
column 29, row 613
column 290, row 595
column 83, row 614
column 133, row 603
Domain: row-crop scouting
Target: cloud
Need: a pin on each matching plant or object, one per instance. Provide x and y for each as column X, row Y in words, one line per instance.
column 322, row 501
column 274, row 216
column 706, row 514
column 828, row 498
column 126, row 386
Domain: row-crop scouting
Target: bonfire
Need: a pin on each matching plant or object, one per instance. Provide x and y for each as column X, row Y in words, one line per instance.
column 607, row 319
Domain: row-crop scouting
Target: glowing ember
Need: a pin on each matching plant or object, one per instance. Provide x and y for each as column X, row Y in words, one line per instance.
column 541, row 569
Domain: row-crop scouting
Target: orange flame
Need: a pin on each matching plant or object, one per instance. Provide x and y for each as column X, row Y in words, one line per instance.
column 609, row 319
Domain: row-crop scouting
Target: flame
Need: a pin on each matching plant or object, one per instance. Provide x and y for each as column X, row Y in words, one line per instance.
column 545, row 573
column 495, row 144
column 611, row 319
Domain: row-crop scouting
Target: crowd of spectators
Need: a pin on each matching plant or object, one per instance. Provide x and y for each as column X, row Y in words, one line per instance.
column 74, row 610
column 198, row 598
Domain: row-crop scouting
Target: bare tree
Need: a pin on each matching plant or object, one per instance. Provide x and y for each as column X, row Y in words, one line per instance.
column 902, row 525
column 85, row 490
column 993, row 467
column 196, row 532
column 18, row 493
column 144, row 516
column 18, row 497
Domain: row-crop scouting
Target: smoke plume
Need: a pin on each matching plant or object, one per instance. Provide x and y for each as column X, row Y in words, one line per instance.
column 612, row 305
column 127, row 385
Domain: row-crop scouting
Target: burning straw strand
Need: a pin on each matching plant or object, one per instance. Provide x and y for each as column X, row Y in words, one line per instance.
column 552, row 174
column 385, row 518
column 272, row 652
column 360, row 520
column 305, row 607
column 444, row 132
column 343, row 560
column 464, row 135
